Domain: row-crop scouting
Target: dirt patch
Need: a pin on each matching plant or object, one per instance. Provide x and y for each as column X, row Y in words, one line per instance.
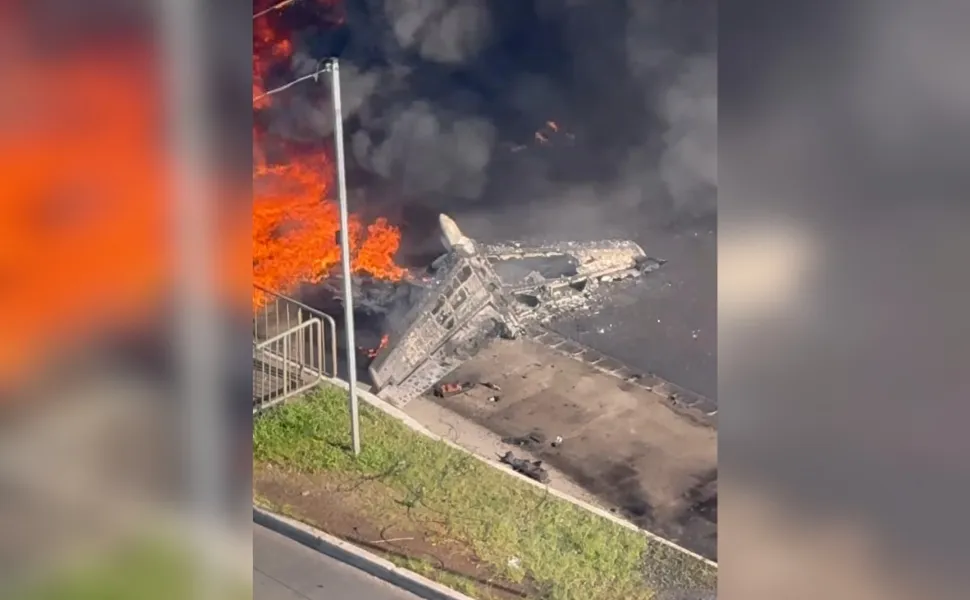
column 356, row 510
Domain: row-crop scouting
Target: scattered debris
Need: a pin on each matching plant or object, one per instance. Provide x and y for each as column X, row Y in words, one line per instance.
column 633, row 378
column 530, row 468
column 557, row 442
column 447, row 390
column 515, row 563
column 494, row 398
column 492, row 386
column 529, row 442
column 514, row 286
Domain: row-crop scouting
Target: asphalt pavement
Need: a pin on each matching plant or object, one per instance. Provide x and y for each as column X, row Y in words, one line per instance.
column 287, row 570
column 665, row 323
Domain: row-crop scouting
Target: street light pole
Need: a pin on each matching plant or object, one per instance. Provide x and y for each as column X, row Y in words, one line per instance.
column 338, row 132
column 333, row 67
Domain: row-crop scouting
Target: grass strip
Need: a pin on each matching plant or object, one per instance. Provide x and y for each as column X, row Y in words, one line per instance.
column 562, row 550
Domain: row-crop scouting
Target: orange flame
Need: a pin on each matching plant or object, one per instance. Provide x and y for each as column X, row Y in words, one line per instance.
column 295, row 221
column 271, row 48
column 373, row 352
column 83, row 216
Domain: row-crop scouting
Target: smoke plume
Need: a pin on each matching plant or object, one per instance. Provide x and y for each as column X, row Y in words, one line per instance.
column 557, row 114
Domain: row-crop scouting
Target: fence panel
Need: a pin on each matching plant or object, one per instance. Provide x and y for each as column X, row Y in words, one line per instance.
column 294, row 348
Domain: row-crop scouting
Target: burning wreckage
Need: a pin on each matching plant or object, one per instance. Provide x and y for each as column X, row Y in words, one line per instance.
column 477, row 292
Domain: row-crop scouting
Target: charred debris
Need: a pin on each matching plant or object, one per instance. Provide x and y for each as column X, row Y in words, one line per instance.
column 475, row 293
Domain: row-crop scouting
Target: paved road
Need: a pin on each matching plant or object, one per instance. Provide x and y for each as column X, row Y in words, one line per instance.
column 286, row 570
column 667, row 323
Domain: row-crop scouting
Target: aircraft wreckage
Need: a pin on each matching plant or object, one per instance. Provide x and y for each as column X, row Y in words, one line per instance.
column 477, row 292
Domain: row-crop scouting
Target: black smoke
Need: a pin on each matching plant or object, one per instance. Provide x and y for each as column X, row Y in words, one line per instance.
column 441, row 96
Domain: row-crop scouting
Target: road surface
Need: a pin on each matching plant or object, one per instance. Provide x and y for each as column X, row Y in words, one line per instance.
column 287, row 570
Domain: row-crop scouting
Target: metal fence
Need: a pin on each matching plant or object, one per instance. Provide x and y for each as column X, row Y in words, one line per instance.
column 294, row 349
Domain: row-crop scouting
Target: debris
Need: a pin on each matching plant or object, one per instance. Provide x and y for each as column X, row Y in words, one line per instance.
column 556, row 442
column 447, row 390
column 514, row 562
column 507, row 288
column 494, row 398
column 400, row 539
column 530, row 468
column 533, row 440
column 491, row 386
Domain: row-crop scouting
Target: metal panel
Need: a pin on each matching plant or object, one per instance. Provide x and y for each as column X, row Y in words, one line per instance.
column 294, row 349
column 288, row 364
column 468, row 302
column 279, row 313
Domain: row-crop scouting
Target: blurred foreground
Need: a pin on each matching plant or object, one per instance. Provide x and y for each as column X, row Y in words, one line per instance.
column 117, row 428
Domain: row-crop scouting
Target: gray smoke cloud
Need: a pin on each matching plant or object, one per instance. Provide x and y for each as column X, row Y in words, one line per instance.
column 688, row 166
column 443, row 31
column 307, row 113
column 434, row 110
column 427, row 152
column 686, row 102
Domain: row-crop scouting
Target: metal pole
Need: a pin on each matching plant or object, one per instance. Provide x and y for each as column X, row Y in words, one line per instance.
column 338, row 132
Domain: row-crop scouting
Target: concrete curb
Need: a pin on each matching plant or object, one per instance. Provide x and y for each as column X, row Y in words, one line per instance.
column 364, row 394
column 349, row 554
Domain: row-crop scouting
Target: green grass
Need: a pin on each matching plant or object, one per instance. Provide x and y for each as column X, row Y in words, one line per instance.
column 431, row 571
column 566, row 552
column 150, row 570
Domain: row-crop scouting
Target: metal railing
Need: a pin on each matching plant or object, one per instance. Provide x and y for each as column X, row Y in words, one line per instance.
column 294, row 349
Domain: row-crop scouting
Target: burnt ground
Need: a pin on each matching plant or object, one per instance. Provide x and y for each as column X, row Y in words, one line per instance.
column 667, row 322
column 336, row 504
column 621, row 443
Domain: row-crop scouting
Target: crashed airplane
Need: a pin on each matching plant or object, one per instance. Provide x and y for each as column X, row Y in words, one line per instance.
column 479, row 292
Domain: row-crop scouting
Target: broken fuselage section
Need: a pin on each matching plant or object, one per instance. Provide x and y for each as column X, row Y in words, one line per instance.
column 481, row 291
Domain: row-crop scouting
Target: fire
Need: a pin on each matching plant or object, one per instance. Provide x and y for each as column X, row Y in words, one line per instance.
column 84, row 214
column 295, row 230
column 373, row 352
column 271, row 48
column 295, row 220
column 549, row 132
